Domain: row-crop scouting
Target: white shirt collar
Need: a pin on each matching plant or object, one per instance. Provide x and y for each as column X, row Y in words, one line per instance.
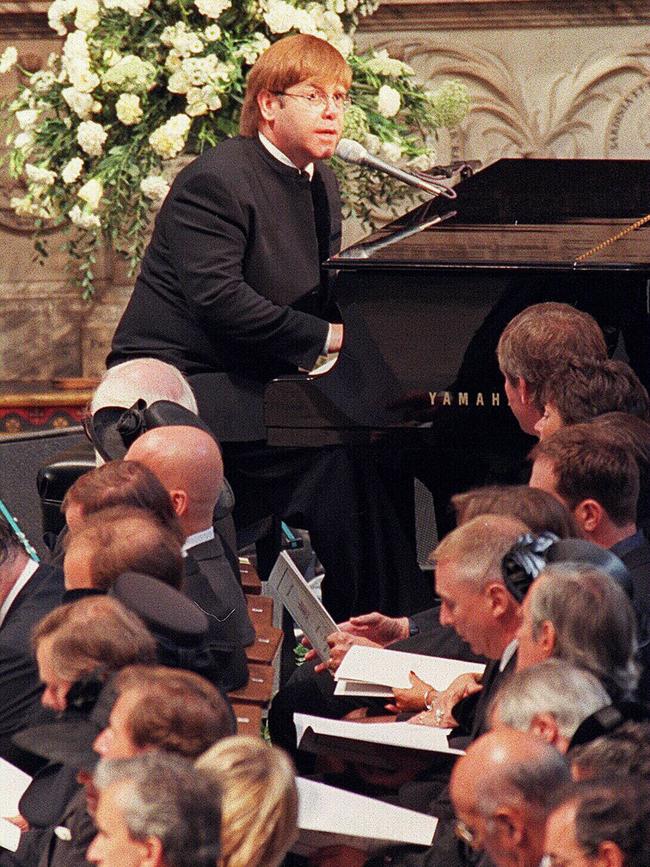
column 283, row 158
column 197, row 538
column 30, row 567
column 508, row 653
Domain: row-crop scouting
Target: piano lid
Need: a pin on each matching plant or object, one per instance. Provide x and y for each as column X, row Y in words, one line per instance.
column 538, row 214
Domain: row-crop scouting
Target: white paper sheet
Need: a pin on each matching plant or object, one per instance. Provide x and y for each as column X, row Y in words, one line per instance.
column 331, row 817
column 9, row 835
column 390, row 668
column 396, row 734
column 13, row 783
column 300, row 602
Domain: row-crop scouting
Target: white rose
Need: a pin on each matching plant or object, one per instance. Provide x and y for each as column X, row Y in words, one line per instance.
column 83, row 218
column 57, row 12
column 388, row 101
column 212, row 33
column 280, row 17
column 71, row 170
column 27, row 118
column 391, row 150
column 212, row 8
column 91, row 137
column 7, row 59
column 91, row 193
column 178, row 82
column 154, row 187
column 343, row 43
column 373, row 143
column 82, row 104
column 128, row 109
column 37, row 175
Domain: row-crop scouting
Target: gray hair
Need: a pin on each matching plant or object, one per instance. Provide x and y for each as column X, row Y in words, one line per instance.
column 164, row 796
column 533, row 782
column 594, row 622
column 146, row 378
column 554, row 686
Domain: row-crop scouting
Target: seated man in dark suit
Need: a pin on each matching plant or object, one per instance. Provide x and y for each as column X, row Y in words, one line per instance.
column 187, row 462
column 232, row 292
column 27, row 592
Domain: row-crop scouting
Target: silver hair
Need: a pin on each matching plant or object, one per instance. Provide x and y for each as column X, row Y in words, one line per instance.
column 146, row 378
column 164, row 796
column 554, row 686
column 594, row 622
column 533, row 782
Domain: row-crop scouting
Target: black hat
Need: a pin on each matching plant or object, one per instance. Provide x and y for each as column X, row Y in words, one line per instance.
column 113, row 429
column 69, row 740
column 607, row 720
column 165, row 611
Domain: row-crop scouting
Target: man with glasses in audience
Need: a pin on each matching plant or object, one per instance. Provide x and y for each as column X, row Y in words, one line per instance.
column 232, row 292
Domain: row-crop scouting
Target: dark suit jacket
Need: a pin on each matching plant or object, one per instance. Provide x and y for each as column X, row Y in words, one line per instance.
column 230, row 289
column 20, row 686
column 214, row 587
column 637, row 562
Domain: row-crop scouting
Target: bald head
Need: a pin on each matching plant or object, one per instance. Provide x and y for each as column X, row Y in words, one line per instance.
column 502, row 789
column 187, row 461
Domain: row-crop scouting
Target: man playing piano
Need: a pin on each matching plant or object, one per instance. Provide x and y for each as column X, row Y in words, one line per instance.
column 232, row 292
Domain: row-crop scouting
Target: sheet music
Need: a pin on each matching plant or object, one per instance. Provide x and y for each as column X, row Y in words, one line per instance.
column 334, row 817
column 390, row 668
column 394, row 734
column 308, row 612
column 14, row 783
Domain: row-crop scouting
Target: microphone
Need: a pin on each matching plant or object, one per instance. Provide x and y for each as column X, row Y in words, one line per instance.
column 353, row 152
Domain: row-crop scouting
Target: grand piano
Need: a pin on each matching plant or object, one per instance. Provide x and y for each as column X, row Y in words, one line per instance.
column 425, row 299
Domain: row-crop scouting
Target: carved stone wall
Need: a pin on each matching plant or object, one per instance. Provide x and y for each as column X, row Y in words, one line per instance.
column 553, row 79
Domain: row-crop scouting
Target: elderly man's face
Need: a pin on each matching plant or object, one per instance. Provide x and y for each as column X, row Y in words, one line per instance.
column 529, row 651
column 113, row 845
column 464, row 608
column 560, row 844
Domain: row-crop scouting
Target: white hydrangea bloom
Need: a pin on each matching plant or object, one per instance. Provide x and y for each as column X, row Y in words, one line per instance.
column 37, row 175
column 57, row 11
column 82, row 104
column 382, row 64
column 280, row 17
column 388, row 101
column 169, row 139
column 154, row 187
column 131, row 74
column 83, row 218
column 8, row 59
column 87, row 17
column 24, row 140
column 212, row 8
column 181, row 38
column 128, row 109
column 91, row 137
column 27, row 118
column 391, row 150
column 91, row 193
column 134, row 8
column 71, row 170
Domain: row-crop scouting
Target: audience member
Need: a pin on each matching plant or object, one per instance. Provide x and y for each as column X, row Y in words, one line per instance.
column 155, row 810
column 549, row 700
column 187, row 461
column 623, row 752
column 600, row 823
column 148, row 379
column 539, row 510
column 118, row 484
column 583, row 390
column 576, row 613
column 118, row 540
column 502, row 791
column 536, row 343
column 28, row 591
column 259, row 803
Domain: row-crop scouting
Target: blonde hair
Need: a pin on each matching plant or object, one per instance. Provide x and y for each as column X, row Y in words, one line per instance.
column 259, row 806
column 287, row 62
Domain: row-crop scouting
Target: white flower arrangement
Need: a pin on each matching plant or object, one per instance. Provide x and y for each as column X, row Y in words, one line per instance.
column 139, row 83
